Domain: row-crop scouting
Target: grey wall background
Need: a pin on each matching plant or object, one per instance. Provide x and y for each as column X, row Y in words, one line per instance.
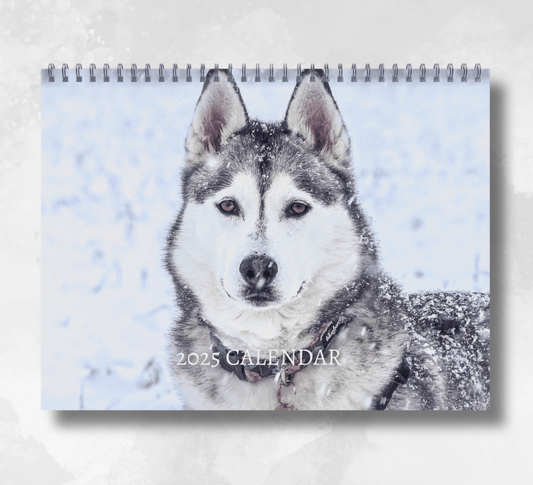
column 163, row 447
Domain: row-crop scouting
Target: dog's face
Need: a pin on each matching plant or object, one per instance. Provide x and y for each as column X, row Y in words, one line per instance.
column 266, row 220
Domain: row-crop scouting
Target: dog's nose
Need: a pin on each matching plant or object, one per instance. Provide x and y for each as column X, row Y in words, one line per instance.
column 258, row 271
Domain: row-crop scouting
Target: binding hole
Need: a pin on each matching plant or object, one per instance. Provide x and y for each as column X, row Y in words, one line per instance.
column 120, row 78
column 285, row 76
column 133, row 73
column 92, row 77
column 340, row 77
column 64, row 74
column 409, row 73
column 202, row 73
column 78, row 73
column 161, row 73
column 271, row 74
column 354, row 73
column 147, row 77
column 243, row 73
column 216, row 78
column 395, row 73
column 51, row 69
column 436, row 79
column 257, row 73
column 367, row 73
column 189, row 77
column 381, row 73
column 106, row 73
column 422, row 73
column 312, row 79
column 326, row 73
column 450, row 73
column 298, row 73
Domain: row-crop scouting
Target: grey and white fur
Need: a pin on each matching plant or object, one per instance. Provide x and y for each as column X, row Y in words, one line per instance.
column 271, row 242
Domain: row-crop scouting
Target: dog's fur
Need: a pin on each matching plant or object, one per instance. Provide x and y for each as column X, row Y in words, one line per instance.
column 327, row 269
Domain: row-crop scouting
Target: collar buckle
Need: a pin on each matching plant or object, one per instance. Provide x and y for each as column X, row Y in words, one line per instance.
column 282, row 377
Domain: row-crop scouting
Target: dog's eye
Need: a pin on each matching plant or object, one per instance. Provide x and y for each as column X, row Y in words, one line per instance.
column 297, row 209
column 228, row 207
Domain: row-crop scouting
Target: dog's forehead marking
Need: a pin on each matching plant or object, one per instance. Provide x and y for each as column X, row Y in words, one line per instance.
column 243, row 187
column 283, row 188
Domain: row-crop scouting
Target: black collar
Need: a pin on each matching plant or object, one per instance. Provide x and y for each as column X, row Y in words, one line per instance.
column 232, row 360
column 401, row 374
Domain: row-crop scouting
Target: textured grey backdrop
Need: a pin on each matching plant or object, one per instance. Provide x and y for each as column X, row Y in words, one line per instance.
column 157, row 448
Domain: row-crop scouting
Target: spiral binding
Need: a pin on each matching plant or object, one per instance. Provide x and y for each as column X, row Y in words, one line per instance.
column 437, row 73
column 367, row 76
column 409, row 77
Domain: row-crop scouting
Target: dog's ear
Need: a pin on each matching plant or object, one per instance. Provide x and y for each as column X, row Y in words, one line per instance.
column 219, row 113
column 313, row 114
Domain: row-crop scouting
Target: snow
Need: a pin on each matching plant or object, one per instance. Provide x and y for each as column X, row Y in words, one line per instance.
column 111, row 156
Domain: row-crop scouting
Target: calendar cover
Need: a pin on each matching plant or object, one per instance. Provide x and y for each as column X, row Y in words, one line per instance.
column 265, row 239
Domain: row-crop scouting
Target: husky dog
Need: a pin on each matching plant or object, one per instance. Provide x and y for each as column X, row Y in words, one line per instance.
column 272, row 252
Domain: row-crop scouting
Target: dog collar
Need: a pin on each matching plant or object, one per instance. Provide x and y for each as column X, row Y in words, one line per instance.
column 279, row 370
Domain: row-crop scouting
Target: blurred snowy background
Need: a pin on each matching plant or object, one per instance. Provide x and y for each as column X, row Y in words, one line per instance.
column 111, row 156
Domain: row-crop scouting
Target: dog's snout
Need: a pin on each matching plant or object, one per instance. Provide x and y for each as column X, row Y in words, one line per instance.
column 258, row 271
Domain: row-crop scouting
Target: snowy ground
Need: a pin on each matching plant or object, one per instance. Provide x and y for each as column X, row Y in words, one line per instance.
column 111, row 159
